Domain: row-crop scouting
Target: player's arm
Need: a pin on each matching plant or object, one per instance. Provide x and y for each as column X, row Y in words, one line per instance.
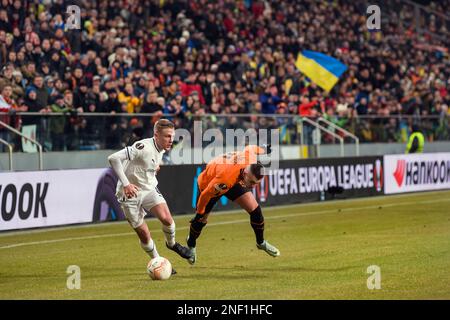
column 251, row 152
column 265, row 149
column 116, row 161
column 214, row 189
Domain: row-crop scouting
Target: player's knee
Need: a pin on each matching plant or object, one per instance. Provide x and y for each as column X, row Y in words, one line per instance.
column 256, row 215
column 143, row 232
column 200, row 219
column 144, row 237
column 199, row 222
column 167, row 220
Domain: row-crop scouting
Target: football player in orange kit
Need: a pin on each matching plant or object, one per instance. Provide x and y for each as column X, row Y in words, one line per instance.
column 233, row 175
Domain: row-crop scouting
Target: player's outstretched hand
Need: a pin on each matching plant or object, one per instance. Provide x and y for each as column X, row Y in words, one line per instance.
column 130, row 190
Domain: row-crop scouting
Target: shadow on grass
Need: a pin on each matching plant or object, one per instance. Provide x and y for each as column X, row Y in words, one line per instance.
column 246, row 273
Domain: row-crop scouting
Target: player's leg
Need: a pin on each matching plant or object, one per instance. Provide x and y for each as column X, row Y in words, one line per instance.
column 245, row 199
column 155, row 203
column 196, row 227
column 135, row 216
column 198, row 223
column 161, row 211
column 147, row 243
column 146, row 240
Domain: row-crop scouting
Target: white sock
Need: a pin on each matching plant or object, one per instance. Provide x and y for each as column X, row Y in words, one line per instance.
column 150, row 248
column 169, row 234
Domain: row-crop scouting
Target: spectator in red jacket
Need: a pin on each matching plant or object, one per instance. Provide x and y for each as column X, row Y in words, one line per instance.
column 305, row 109
column 190, row 86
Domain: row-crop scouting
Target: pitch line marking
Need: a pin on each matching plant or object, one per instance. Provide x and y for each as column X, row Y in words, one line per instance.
column 299, row 214
column 305, row 206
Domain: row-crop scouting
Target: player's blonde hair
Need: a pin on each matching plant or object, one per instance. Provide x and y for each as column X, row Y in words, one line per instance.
column 162, row 124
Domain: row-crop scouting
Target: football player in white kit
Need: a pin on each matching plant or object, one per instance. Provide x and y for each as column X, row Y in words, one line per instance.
column 137, row 191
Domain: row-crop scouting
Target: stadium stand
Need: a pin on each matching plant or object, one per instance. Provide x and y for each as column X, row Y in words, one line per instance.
column 187, row 60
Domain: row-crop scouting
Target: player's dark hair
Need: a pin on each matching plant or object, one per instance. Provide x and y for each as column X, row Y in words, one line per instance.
column 257, row 169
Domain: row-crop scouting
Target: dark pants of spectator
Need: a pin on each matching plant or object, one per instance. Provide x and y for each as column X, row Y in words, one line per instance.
column 5, row 135
column 307, row 134
column 58, row 141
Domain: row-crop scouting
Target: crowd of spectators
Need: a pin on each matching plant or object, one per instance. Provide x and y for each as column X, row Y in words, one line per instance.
column 187, row 59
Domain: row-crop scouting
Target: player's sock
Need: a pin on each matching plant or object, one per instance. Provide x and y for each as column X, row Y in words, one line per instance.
column 169, row 234
column 257, row 223
column 150, row 248
column 195, row 231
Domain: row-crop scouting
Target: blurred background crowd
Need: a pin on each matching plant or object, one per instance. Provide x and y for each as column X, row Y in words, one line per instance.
column 224, row 62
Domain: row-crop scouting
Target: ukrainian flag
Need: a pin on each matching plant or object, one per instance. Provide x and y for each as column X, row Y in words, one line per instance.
column 323, row 70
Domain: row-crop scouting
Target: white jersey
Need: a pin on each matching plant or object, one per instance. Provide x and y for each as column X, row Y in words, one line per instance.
column 143, row 159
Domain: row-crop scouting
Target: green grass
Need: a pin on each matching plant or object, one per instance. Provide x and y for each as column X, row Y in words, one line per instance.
column 325, row 251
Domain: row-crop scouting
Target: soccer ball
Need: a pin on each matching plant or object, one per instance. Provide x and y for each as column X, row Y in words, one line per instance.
column 159, row 268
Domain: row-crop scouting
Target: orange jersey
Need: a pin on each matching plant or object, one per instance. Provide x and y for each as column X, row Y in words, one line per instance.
column 222, row 173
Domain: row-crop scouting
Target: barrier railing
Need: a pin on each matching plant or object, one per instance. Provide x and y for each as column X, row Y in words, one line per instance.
column 94, row 131
column 10, row 152
column 321, row 128
column 343, row 131
column 11, row 129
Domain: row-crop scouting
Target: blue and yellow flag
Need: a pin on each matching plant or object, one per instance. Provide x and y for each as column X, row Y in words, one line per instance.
column 323, row 70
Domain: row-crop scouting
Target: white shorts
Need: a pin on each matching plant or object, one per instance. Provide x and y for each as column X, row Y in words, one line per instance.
column 135, row 209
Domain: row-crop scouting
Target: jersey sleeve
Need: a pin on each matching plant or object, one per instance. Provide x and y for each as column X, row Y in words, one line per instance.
column 136, row 151
column 116, row 160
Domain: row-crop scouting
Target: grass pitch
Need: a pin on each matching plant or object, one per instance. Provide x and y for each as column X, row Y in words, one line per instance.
column 326, row 249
